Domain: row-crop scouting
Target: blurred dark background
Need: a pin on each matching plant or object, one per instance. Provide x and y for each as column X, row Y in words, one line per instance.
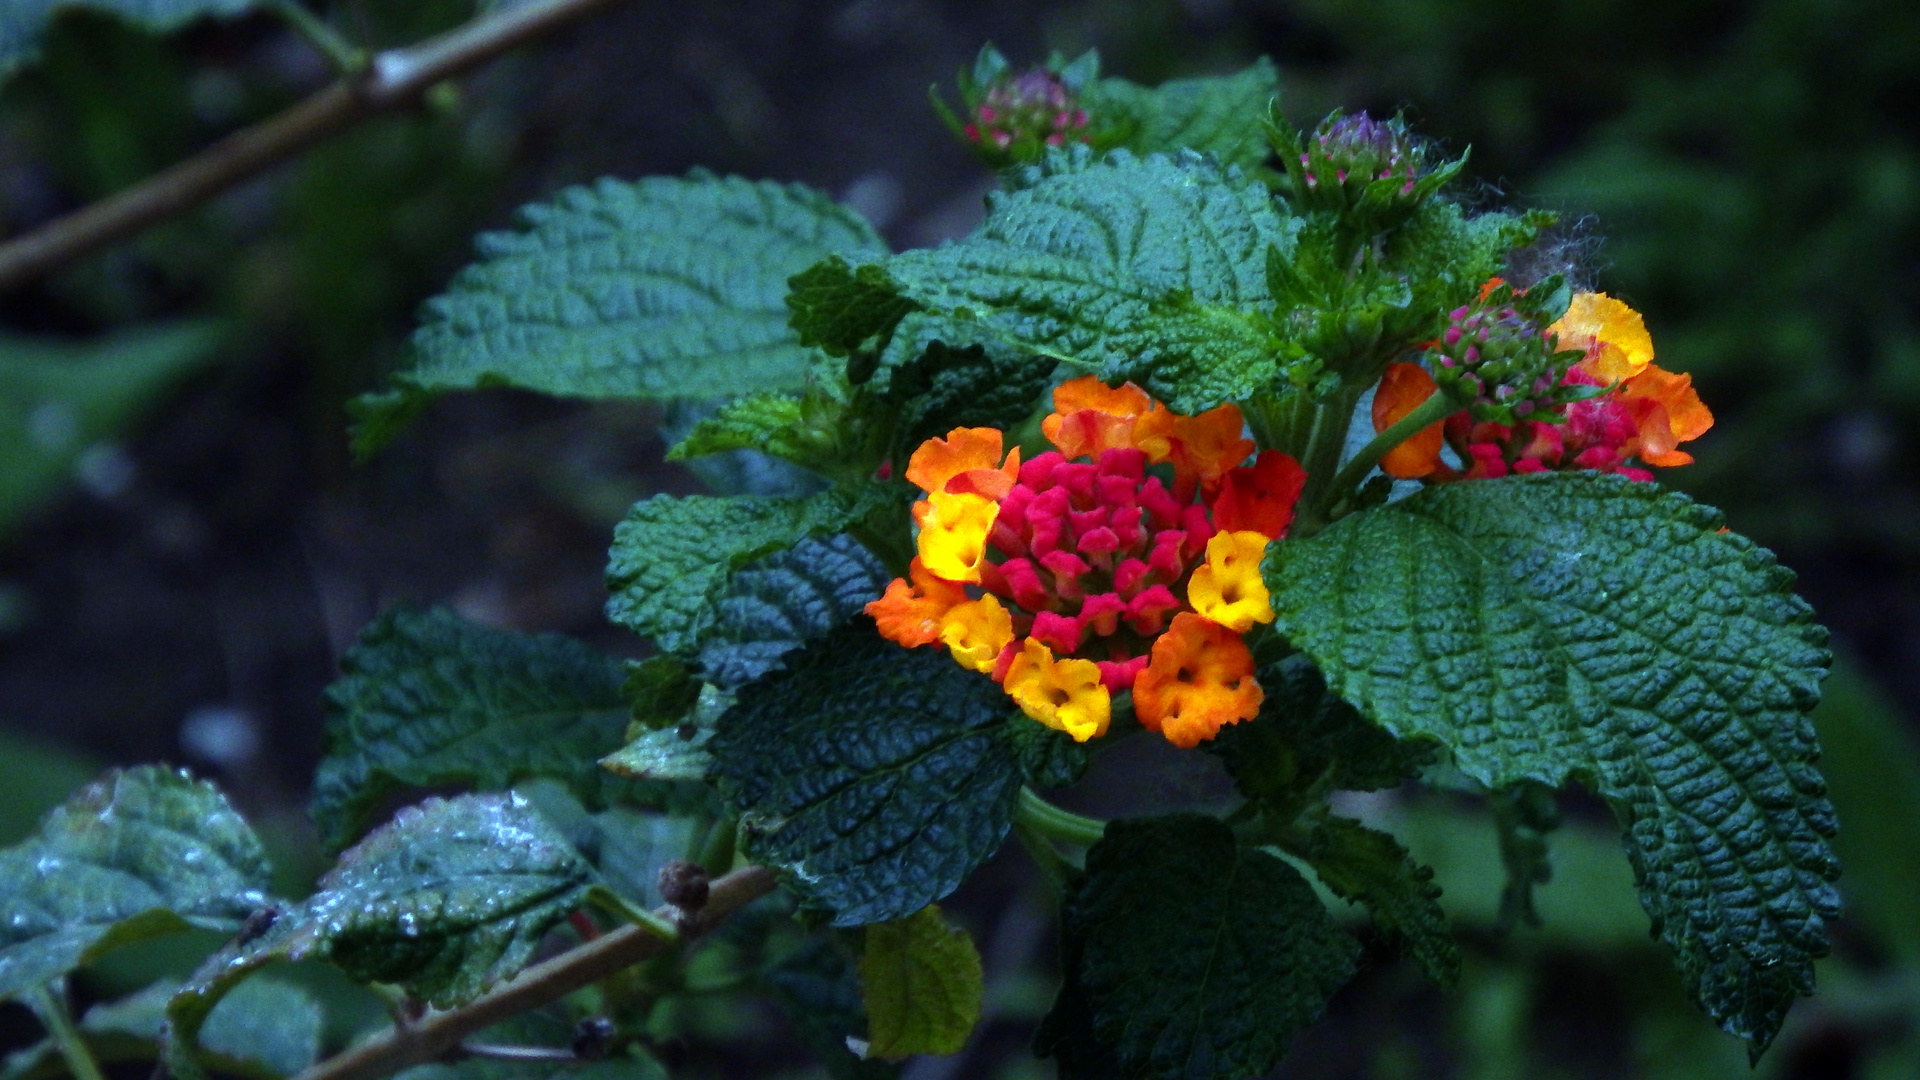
column 186, row 546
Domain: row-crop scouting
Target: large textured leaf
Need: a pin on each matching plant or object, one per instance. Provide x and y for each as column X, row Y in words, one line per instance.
column 134, row 854
column 662, row 288
column 22, row 22
column 59, row 400
column 1187, row 957
column 674, row 557
column 1152, row 269
column 1580, row 626
column 448, row 898
column 920, row 978
column 876, row 777
column 1220, row 115
column 427, row 699
column 781, row 602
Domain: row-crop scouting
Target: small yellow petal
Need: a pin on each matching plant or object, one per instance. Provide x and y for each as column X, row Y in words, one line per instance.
column 1228, row 590
column 953, row 534
column 976, row 631
column 1614, row 336
column 1065, row 695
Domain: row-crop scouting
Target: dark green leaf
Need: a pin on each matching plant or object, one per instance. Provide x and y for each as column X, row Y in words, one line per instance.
column 1221, row 115
column 134, row 854
column 920, row 978
column 983, row 385
column 661, row 288
column 781, row 602
column 1048, row 758
column 1450, row 255
column 1371, row 867
column 643, row 1067
column 846, row 310
column 1307, row 741
column 447, row 899
column 877, row 777
column 58, row 400
column 662, row 690
column 1187, row 957
column 1581, row 626
column 22, row 22
column 818, row 988
column 674, row 557
column 1524, row 814
column 1149, row 269
column 427, row 699
column 264, row 1030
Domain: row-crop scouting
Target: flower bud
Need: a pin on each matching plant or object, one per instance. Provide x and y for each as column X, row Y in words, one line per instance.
column 1013, row 117
column 1502, row 361
column 1374, row 170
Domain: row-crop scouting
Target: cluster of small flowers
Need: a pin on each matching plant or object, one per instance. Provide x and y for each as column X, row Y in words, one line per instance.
column 1088, row 572
column 1610, row 407
column 1360, row 149
column 1035, row 106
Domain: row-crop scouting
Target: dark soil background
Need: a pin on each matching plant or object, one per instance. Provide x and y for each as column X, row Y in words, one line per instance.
column 1753, row 164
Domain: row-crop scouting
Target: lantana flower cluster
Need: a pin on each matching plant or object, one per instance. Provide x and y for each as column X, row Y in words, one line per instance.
column 1126, row 559
column 1036, row 106
column 1636, row 414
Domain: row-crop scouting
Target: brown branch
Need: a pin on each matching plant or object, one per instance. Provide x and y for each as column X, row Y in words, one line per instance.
column 391, row 80
column 438, row 1032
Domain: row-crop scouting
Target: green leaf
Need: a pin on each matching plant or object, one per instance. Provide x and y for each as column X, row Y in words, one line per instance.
column 818, row 988
column 920, row 978
column 1371, row 867
column 664, row 754
column 132, row 855
column 662, row 690
column 1221, row 115
column 1146, row 269
column 264, row 1030
column 1566, row 626
column 23, row 22
column 877, row 777
column 447, row 899
column 781, row 602
column 1450, row 255
column 769, row 423
column 658, row 289
column 1524, row 815
column 427, row 699
column 674, row 557
column 59, row 400
column 1306, row 742
column 1187, row 957
column 982, row 385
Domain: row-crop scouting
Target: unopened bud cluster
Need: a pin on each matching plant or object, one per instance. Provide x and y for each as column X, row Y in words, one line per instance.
column 1358, row 163
column 1029, row 110
column 1503, row 362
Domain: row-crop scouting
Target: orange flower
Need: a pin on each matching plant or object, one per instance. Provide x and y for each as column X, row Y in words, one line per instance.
column 1669, row 413
column 1404, row 388
column 911, row 614
column 1089, row 416
column 1065, row 695
column 964, row 461
column 1613, row 335
column 1260, row 497
column 1199, row 680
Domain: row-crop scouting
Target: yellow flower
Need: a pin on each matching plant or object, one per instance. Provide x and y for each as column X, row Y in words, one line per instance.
column 1612, row 334
column 976, row 631
column 1228, row 589
column 953, row 533
column 1065, row 695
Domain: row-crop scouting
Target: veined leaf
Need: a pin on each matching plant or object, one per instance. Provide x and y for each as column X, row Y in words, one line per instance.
column 22, row 22
column 1566, row 626
column 1372, row 868
column 662, row 288
column 132, row 855
column 1220, row 115
column 447, row 899
column 427, row 699
column 876, row 777
column 1188, row 957
column 673, row 557
column 1147, row 269
column 781, row 602
column 264, row 1030
column 920, row 978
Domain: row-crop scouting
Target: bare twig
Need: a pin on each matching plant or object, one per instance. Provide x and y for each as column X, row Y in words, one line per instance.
column 439, row 1032
column 391, row 80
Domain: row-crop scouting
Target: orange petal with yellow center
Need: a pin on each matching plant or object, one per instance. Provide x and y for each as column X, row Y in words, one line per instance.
column 976, row 631
column 911, row 613
column 937, row 461
column 1202, row 448
column 1065, row 695
column 1613, row 335
column 1404, row 388
column 953, row 533
column 1227, row 588
column 1200, row 679
column 1088, row 392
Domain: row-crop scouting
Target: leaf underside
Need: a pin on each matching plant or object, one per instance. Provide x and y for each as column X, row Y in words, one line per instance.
column 921, row 980
column 1576, row 626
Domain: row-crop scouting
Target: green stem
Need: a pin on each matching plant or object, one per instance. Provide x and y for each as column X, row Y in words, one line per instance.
column 620, row 907
column 1433, row 410
column 52, row 1008
column 346, row 57
column 1053, row 823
